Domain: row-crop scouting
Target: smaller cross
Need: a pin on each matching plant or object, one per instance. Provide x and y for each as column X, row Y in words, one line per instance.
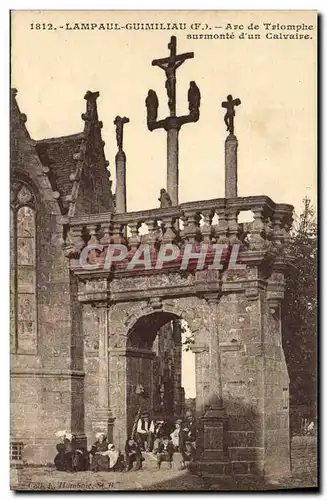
column 230, row 112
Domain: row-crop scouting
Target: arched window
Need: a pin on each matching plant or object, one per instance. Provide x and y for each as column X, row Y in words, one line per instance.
column 23, row 305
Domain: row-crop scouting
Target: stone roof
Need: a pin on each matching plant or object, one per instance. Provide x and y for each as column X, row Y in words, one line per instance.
column 58, row 155
column 73, row 163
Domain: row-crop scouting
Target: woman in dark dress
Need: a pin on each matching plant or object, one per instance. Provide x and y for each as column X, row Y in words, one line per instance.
column 99, row 462
column 64, row 459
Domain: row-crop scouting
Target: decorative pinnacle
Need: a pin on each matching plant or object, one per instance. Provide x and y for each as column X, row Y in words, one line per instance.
column 230, row 112
column 91, row 107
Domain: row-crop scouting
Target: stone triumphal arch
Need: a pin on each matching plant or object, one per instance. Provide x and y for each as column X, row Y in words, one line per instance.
column 234, row 312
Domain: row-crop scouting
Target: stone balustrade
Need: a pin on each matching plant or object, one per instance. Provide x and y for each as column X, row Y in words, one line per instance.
column 210, row 222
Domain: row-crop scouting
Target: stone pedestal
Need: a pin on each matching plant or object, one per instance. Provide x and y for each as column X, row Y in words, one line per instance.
column 231, row 166
column 120, row 182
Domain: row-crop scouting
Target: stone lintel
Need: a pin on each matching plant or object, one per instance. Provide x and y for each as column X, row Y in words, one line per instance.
column 132, row 352
column 164, row 292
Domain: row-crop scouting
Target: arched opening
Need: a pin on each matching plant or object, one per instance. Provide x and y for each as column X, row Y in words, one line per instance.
column 157, row 362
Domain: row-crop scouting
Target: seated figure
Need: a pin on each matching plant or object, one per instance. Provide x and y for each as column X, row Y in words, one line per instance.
column 188, row 455
column 133, row 454
column 144, row 431
column 99, row 462
column 164, row 452
column 64, row 459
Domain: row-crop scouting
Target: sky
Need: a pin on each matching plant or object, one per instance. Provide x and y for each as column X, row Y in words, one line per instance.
column 275, row 80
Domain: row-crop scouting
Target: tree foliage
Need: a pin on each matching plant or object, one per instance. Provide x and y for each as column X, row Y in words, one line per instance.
column 299, row 309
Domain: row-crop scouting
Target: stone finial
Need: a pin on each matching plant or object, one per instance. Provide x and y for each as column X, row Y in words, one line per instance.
column 91, row 106
column 230, row 112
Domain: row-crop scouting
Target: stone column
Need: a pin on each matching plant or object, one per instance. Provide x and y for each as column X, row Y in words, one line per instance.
column 214, row 459
column 172, row 164
column 120, row 182
column 103, row 420
column 178, row 390
column 231, row 166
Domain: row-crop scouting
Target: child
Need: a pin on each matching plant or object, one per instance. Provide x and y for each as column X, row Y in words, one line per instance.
column 165, row 452
column 133, row 454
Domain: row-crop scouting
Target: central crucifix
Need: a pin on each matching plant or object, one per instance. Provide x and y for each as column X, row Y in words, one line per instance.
column 172, row 123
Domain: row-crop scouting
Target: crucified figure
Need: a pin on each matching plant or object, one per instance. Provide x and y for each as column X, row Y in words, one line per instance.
column 170, row 65
column 230, row 112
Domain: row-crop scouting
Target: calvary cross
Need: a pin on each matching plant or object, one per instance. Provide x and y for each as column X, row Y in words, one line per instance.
column 170, row 65
column 172, row 123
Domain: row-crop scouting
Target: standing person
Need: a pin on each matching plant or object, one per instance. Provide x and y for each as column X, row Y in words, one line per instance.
column 99, row 461
column 165, row 452
column 189, row 428
column 133, row 454
column 144, row 431
column 177, row 436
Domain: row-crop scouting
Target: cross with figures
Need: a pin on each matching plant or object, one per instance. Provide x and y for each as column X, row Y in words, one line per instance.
column 172, row 123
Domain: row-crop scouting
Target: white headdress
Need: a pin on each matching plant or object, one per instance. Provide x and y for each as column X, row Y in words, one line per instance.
column 98, row 434
column 61, row 434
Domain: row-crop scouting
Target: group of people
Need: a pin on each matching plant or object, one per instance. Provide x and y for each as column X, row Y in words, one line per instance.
column 156, row 437
column 163, row 440
column 72, row 457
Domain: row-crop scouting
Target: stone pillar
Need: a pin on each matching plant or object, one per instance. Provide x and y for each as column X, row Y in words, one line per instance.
column 172, row 165
column 120, row 182
column 231, row 166
column 103, row 420
column 178, row 390
column 214, row 417
column 213, row 456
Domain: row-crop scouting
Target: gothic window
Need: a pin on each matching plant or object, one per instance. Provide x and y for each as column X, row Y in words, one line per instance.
column 23, row 306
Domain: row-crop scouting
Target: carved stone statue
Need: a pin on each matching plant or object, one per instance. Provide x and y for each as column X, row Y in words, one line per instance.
column 194, row 98
column 152, row 105
column 164, row 199
column 230, row 112
column 119, row 122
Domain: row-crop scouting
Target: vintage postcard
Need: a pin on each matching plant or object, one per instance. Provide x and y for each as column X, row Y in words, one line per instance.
column 163, row 250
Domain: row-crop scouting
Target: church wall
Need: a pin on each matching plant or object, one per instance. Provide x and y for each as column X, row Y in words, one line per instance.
column 43, row 380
